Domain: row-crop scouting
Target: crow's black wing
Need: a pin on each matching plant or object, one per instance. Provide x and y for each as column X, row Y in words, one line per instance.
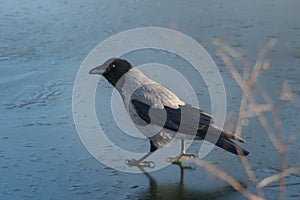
column 190, row 121
column 158, row 105
column 185, row 119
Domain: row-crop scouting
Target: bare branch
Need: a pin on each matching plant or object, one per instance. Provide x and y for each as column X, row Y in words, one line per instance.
column 277, row 177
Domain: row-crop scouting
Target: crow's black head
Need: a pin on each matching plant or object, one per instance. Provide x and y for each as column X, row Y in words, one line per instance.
column 112, row 69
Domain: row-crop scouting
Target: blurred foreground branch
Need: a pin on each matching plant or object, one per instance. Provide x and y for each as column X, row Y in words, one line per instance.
column 249, row 108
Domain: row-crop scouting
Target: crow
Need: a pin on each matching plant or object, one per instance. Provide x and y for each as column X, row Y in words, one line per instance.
column 159, row 114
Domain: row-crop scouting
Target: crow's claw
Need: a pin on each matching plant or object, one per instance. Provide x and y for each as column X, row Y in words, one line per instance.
column 133, row 162
column 175, row 160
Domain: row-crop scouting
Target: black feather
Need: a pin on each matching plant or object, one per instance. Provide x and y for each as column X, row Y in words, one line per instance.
column 174, row 119
column 198, row 124
column 230, row 146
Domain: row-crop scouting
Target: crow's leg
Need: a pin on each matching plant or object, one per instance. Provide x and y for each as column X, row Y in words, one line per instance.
column 182, row 154
column 141, row 161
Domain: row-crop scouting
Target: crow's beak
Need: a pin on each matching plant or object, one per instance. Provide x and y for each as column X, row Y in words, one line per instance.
column 98, row 70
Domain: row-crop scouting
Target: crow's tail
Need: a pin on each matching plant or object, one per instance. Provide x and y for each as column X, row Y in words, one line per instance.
column 228, row 145
column 223, row 139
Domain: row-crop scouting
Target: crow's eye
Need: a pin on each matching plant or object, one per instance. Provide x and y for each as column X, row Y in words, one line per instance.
column 113, row 66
